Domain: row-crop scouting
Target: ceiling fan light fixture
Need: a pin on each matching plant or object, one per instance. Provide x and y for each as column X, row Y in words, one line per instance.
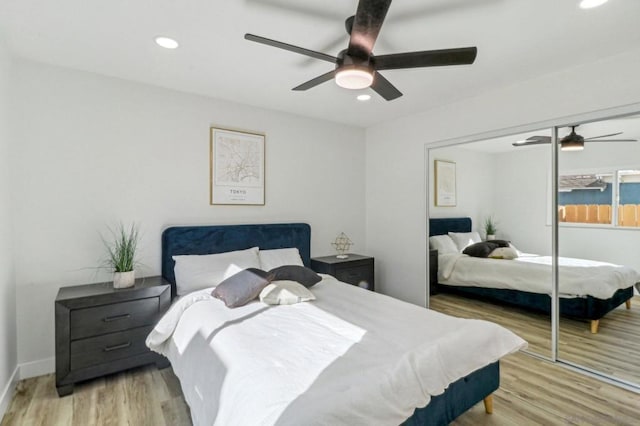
column 354, row 78
column 572, row 146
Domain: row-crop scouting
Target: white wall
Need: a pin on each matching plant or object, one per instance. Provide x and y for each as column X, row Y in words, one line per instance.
column 474, row 178
column 92, row 151
column 395, row 164
column 8, row 361
column 521, row 195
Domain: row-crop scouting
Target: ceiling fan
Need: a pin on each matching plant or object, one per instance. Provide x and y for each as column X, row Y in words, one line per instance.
column 571, row 142
column 357, row 67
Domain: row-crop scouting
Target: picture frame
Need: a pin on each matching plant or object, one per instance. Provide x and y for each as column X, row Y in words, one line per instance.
column 237, row 167
column 445, row 183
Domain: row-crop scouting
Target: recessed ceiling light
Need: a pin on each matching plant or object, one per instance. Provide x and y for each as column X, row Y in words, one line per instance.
column 166, row 42
column 364, row 97
column 589, row 4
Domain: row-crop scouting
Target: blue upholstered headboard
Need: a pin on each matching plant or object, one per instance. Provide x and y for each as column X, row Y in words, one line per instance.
column 442, row 226
column 182, row 240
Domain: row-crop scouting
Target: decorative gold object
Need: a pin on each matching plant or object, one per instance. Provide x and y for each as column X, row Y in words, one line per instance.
column 342, row 245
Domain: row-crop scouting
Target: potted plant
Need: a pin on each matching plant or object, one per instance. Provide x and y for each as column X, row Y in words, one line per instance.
column 121, row 254
column 490, row 228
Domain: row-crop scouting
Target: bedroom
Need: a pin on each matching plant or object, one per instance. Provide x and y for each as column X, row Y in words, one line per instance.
column 70, row 126
column 512, row 184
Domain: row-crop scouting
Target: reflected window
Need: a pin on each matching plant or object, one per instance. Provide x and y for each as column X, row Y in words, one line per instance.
column 600, row 198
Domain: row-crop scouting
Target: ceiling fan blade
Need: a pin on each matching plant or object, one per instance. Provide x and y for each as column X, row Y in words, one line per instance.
column 533, row 140
column 602, row 136
column 291, row 48
column 366, row 26
column 384, row 88
column 427, row 58
column 316, row 81
column 611, row 140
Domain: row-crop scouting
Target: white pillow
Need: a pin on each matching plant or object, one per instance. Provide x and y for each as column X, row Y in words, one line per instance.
column 504, row 253
column 270, row 259
column 465, row 239
column 443, row 243
column 195, row 272
column 285, row 293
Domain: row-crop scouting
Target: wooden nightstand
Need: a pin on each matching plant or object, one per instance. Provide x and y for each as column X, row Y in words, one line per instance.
column 433, row 271
column 101, row 330
column 356, row 269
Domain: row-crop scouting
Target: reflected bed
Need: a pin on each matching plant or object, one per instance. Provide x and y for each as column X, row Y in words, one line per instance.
column 588, row 300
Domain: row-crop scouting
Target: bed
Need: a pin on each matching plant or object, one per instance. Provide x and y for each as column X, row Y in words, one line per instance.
column 349, row 357
column 583, row 293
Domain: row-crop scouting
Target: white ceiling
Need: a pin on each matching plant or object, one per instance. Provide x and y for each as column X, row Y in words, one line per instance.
column 628, row 126
column 516, row 39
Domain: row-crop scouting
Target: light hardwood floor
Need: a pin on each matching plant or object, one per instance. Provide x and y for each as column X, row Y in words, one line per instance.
column 532, row 392
column 614, row 350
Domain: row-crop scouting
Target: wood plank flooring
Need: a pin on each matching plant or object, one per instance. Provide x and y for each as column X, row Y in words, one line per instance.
column 532, row 392
column 614, row 350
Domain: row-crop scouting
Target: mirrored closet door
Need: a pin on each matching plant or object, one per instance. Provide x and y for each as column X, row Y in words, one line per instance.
column 598, row 203
column 505, row 181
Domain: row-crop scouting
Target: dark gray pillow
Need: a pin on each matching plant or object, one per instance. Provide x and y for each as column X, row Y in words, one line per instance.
column 500, row 243
column 300, row 274
column 241, row 288
column 482, row 249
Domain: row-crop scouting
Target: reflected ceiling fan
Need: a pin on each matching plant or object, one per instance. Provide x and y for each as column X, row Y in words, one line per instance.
column 357, row 67
column 571, row 142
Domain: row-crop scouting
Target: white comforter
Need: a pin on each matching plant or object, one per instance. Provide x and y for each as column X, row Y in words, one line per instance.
column 532, row 273
column 352, row 357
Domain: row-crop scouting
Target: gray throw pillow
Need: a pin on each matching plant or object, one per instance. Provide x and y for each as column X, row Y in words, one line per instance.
column 300, row 274
column 241, row 288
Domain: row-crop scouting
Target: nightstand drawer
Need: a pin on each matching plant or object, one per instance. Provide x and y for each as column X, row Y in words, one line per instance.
column 109, row 347
column 105, row 319
column 355, row 275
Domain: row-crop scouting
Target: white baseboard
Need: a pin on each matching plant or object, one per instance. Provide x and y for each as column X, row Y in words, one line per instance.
column 7, row 392
column 37, row 368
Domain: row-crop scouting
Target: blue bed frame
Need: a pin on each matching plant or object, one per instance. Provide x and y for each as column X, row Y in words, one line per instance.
column 589, row 308
column 184, row 240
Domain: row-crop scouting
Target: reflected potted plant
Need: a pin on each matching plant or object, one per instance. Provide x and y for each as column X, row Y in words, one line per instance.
column 490, row 228
column 122, row 254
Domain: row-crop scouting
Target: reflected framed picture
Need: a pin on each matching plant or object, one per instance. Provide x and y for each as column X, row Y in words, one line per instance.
column 445, row 182
column 236, row 172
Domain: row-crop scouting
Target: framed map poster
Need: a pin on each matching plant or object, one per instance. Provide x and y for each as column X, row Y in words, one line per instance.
column 236, row 167
column 445, row 172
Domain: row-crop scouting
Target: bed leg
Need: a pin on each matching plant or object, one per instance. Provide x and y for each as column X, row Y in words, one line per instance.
column 594, row 326
column 488, row 404
column 628, row 303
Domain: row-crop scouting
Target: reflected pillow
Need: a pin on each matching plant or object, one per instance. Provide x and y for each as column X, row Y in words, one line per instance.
column 484, row 249
column 504, row 253
column 444, row 244
column 270, row 259
column 285, row 293
column 196, row 272
column 241, row 288
column 300, row 274
column 465, row 239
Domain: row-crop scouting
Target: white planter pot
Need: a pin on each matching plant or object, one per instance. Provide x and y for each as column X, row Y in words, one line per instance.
column 124, row 279
column 491, row 237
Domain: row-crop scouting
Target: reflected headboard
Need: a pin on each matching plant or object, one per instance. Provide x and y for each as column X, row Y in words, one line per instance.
column 442, row 226
column 199, row 240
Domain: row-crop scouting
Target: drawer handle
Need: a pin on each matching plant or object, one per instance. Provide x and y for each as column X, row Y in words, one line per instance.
column 116, row 347
column 116, row 317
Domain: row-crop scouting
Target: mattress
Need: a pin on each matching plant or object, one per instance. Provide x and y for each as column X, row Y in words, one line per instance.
column 532, row 273
column 350, row 357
